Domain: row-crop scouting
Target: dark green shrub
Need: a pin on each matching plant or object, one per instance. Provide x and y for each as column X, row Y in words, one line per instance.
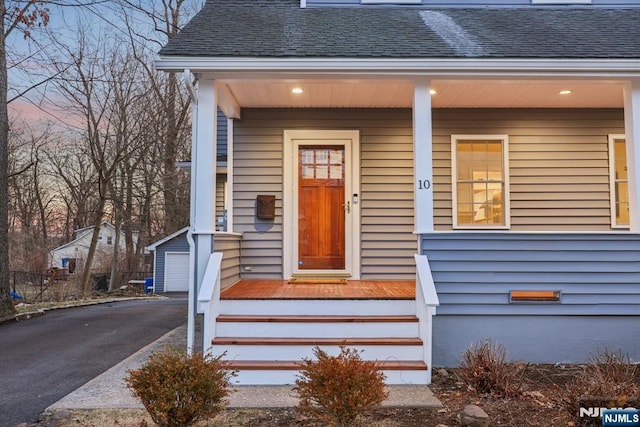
column 486, row 369
column 338, row 389
column 609, row 380
column 177, row 390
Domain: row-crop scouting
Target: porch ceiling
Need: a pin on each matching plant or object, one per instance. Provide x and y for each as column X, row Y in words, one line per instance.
column 399, row 94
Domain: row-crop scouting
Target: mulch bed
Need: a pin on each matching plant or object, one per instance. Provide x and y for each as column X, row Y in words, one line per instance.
column 539, row 404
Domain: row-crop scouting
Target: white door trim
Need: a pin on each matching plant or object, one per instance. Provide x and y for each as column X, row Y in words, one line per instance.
column 292, row 140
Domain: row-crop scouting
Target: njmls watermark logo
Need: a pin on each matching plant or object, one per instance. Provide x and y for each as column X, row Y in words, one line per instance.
column 603, row 412
column 627, row 417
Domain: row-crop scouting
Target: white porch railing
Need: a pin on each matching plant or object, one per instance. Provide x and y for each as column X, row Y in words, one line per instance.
column 426, row 303
column 209, row 299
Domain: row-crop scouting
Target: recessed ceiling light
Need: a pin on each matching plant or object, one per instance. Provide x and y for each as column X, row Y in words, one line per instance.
column 433, row 91
column 297, row 90
column 565, row 92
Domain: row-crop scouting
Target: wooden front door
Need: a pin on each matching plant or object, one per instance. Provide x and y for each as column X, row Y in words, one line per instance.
column 321, row 207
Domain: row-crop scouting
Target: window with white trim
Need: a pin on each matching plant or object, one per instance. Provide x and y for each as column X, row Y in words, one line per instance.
column 618, row 181
column 480, row 178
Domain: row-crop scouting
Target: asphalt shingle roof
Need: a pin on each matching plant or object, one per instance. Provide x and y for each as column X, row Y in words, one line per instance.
column 280, row 28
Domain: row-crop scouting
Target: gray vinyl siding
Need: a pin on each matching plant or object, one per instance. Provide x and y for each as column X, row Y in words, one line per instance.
column 386, row 193
column 558, row 164
column 220, row 182
column 221, row 155
column 177, row 244
column 221, row 141
column 596, row 273
column 229, row 245
column 536, row 339
column 473, row 3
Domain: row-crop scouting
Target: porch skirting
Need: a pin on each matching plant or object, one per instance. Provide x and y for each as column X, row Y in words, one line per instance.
column 536, row 339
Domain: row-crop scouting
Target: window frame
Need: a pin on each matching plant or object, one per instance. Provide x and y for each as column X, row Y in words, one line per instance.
column 504, row 139
column 612, row 138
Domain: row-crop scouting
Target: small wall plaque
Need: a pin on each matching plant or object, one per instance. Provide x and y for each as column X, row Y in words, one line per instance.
column 266, row 206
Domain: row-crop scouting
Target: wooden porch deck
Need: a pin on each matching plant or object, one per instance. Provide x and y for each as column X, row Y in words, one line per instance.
column 354, row 289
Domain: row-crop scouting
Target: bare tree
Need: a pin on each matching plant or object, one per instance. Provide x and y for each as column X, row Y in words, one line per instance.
column 75, row 178
column 154, row 194
column 173, row 103
column 129, row 111
column 99, row 87
column 31, row 199
column 20, row 16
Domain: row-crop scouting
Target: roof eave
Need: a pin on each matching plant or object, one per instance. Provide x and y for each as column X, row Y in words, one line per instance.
column 152, row 247
column 408, row 67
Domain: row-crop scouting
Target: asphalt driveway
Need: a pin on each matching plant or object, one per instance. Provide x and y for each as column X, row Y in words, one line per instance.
column 45, row 358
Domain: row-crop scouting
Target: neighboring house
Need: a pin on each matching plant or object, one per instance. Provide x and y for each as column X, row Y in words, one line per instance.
column 502, row 144
column 171, row 261
column 70, row 257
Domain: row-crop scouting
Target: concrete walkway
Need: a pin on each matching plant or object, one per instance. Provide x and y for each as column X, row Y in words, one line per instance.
column 108, row 391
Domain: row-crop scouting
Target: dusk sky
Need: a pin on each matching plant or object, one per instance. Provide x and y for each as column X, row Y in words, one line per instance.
column 100, row 21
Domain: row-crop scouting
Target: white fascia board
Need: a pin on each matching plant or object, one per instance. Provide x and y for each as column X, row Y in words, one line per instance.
column 434, row 67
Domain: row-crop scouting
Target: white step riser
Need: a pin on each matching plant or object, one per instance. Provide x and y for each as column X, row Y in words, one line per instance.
column 299, row 352
column 319, row 307
column 289, row 377
column 317, row 330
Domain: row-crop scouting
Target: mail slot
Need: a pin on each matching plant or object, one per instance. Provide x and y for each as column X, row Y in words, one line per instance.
column 266, row 206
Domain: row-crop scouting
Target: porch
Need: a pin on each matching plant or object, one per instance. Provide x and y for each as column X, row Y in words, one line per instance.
column 267, row 327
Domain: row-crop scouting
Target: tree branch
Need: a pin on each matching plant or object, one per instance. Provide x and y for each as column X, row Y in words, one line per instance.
column 23, row 170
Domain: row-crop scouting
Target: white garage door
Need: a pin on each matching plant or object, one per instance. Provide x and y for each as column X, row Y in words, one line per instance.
column 176, row 272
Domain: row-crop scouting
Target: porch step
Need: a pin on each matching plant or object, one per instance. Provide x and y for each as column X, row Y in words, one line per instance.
column 315, row 341
column 403, row 326
column 315, row 319
column 318, row 307
column 286, row 365
column 284, row 332
column 258, row 372
column 273, row 349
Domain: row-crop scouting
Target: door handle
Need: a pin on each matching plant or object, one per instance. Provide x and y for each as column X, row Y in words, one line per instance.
column 347, row 206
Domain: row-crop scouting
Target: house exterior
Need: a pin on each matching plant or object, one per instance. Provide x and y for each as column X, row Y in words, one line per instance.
column 69, row 258
column 499, row 141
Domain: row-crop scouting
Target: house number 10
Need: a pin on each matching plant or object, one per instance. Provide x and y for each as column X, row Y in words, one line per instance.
column 424, row 184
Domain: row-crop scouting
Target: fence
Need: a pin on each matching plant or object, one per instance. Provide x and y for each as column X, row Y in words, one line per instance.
column 30, row 287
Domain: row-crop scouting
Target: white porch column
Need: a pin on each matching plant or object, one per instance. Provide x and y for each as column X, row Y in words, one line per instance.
column 632, row 134
column 229, row 196
column 422, row 157
column 203, row 193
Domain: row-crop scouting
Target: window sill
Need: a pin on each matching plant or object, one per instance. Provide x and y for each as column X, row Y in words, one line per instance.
column 476, row 228
column 620, row 227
